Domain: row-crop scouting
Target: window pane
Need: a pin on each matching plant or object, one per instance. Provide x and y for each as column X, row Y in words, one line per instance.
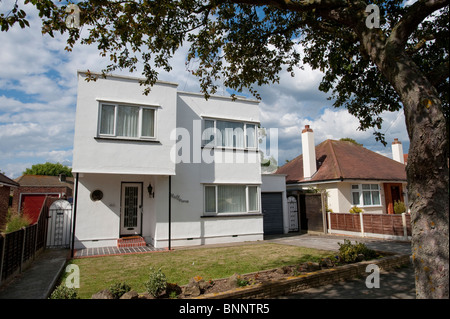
column 373, row 186
column 148, row 122
column 127, row 121
column 231, row 134
column 231, row 199
column 355, row 198
column 107, row 119
column 365, row 186
column 251, row 135
column 210, row 199
column 375, row 198
column 355, row 186
column 367, row 198
column 253, row 198
column 208, row 133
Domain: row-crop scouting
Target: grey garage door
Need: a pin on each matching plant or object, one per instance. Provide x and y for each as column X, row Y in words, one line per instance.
column 272, row 207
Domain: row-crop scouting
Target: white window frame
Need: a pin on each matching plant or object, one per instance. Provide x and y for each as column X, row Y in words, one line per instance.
column 140, row 119
column 359, row 190
column 247, row 202
column 214, row 142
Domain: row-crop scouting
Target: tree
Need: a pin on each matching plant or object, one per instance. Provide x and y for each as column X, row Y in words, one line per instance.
column 49, row 169
column 382, row 57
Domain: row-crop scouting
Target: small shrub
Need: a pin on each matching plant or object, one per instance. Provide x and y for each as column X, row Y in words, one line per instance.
column 118, row 289
column 16, row 222
column 399, row 207
column 157, row 282
column 355, row 210
column 63, row 292
column 173, row 290
column 350, row 253
column 242, row 282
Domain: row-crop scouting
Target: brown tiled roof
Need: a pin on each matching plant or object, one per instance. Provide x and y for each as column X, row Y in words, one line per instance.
column 339, row 160
column 42, row 180
column 5, row 180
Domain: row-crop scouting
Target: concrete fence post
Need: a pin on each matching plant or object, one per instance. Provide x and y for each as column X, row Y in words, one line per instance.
column 329, row 220
column 405, row 229
column 362, row 224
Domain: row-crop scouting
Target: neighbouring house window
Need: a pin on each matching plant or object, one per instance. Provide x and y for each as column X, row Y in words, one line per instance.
column 366, row 195
column 127, row 121
column 229, row 134
column 231, row 199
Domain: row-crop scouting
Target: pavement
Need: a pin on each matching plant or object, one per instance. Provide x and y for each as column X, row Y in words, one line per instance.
column 38, row 281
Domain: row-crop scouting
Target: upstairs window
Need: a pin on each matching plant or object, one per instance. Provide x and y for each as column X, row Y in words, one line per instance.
column 229, row 134
column 127, row 121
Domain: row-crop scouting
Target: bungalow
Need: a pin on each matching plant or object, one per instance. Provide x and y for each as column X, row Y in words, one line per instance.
column 350, row 174
column 169, row 167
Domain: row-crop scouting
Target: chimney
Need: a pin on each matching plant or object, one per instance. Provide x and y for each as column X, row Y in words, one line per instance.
column 397, row 151
column 309, row 153
column 62, row 177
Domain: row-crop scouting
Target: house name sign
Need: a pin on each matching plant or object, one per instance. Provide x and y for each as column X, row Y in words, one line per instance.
column 178, row 198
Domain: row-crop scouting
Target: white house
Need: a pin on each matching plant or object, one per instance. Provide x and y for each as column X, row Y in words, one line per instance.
column 169, row 166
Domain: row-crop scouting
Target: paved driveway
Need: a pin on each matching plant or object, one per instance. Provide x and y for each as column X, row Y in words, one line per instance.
column 330, row 242
column 394, row 284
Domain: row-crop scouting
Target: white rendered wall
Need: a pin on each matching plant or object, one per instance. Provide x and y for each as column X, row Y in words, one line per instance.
column 114, row 162
column 94, row 155
column 189, row 224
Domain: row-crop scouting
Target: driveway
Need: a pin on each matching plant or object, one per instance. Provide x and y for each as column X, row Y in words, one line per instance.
column 394, row 284
column 330, row 242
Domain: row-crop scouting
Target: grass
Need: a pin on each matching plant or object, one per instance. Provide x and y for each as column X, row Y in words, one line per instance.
column 180, row 266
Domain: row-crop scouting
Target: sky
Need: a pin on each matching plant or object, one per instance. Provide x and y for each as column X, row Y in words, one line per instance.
column 38, row 90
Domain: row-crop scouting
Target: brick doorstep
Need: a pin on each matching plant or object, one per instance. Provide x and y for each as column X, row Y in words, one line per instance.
column 323, row 277
column 127, row 242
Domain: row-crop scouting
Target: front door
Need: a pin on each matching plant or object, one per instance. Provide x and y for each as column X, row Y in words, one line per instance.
column 131, row 209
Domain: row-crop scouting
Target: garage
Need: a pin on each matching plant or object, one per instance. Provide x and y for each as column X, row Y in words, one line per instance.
column 272, row 208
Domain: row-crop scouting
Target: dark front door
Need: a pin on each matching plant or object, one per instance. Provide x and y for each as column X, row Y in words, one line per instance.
column 272, row 208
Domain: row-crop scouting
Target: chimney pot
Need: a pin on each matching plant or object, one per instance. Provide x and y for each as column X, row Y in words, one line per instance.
column 307, row 129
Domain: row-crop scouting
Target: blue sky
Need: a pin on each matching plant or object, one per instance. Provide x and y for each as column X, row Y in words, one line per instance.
column 38, row 101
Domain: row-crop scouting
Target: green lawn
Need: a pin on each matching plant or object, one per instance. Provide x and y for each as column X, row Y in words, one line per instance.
column 180, row 266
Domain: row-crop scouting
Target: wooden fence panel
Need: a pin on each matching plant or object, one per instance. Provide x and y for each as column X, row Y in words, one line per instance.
column 16, row 248
column 383, row 224
column 12, row 253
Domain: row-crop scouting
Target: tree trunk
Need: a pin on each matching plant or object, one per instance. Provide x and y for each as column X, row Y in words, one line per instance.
column 427, row 168
column 427, row 174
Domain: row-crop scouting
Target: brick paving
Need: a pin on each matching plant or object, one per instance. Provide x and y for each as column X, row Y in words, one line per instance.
column 114, row 250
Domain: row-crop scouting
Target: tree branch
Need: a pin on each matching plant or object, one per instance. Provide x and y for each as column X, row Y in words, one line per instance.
column 409, row 22
column 296, row 6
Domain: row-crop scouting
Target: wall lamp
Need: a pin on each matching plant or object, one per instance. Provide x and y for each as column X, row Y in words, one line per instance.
column 151, row 193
